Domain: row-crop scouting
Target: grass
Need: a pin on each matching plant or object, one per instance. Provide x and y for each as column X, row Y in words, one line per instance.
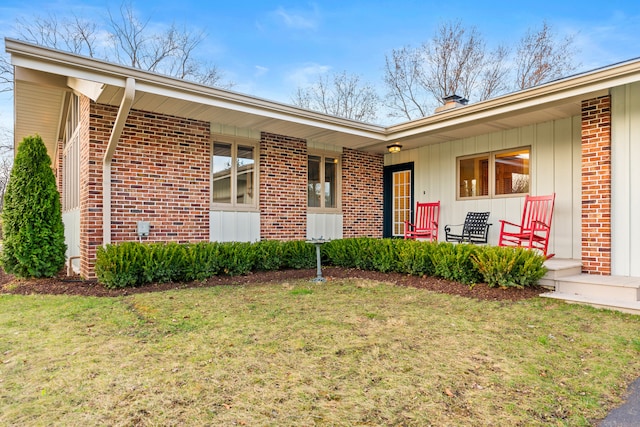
column 347, row 352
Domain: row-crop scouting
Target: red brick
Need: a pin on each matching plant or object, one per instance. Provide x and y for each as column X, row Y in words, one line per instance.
column 596, row 186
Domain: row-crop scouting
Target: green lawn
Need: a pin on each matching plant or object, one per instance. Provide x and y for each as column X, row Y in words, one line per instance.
column 347, row 352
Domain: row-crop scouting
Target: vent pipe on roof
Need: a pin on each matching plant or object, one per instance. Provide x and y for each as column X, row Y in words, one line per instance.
column 451, row 102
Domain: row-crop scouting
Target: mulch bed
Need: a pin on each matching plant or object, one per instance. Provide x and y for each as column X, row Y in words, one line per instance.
column 64, row 285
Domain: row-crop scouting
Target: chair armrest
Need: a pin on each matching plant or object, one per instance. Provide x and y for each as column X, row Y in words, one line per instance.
column 447, row 227
column 505, row 222
column 542, row 224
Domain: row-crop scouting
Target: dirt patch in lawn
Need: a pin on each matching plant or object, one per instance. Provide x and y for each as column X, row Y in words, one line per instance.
column 64, row 285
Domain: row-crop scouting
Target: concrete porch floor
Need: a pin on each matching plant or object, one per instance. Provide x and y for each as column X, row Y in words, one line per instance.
column 566, row 282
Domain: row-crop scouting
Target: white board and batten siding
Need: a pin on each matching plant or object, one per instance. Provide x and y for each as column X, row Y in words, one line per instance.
column 625, row 180
column 554, row 167
column 229, row 226
column 71, row 221
column 234, row 226
column 326, row 226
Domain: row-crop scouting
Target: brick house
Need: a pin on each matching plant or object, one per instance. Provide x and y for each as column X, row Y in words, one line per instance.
column 198, row 163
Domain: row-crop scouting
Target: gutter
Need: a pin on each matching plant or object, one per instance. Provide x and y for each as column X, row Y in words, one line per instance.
column 114, row 138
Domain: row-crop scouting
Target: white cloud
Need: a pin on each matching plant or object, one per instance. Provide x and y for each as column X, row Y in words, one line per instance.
column 298, row 19
column 306, row 75
column 260, row 71
column 604, row 43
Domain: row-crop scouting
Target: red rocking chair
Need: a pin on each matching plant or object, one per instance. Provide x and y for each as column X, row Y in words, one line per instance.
column 535, row 227
column 426, row 223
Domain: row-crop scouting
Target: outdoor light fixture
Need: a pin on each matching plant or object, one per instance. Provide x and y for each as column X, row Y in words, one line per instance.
column 394, row 148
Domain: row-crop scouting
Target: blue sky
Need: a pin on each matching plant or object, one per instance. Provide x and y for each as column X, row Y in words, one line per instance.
column 268, row 48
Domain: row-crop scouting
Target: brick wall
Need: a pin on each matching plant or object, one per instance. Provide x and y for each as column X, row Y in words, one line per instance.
column 362, row 193
column 596, row 185
column 160, row 173
column 283, row 187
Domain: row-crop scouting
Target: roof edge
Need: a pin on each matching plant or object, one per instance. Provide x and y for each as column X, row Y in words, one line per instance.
column 19, row 48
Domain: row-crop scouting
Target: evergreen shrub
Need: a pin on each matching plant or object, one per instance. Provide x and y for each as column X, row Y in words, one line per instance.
column 33, row 231
column 299, row 254
column 455, row 262
column 415, row 257
column 509, row 267
column 121, row 265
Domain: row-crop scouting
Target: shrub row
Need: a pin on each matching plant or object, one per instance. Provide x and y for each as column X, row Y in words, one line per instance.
column 464, row 263
column 133, row 264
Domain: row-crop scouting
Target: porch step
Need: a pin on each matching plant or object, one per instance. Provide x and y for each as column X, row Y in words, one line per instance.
column 566, row 281
column 557, row 268
column 620, row 293
column 632, row 307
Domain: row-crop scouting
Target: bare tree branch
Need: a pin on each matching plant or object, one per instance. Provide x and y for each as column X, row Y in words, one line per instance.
column 6, row 160
column 341, row 95
column 494, row 78
column 73, row 35
column 6, row 164
column 130, row 41
column 6, row 73
column 541, row 57
column 127, row 34
column 6, row 142
column 406, row 95
column 456, row 62
column 453, row 59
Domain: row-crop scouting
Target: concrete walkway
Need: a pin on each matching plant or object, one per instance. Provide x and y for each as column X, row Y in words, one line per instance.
column 627, row 415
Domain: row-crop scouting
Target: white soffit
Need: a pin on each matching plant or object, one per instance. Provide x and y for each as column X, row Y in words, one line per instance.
column 37, row 111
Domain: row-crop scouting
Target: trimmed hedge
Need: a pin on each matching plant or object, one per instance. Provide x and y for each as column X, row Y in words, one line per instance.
column 133, row 264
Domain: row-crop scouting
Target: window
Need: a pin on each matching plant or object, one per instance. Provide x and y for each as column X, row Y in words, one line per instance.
column 234, row 174
column 494, row 174
column 323, row 184
column 512, row 172
column 474, row 176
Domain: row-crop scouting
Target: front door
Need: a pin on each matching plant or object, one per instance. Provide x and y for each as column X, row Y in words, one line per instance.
column 398, row 198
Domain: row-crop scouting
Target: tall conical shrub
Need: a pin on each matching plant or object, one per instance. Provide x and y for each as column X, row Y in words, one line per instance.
column 32, row 220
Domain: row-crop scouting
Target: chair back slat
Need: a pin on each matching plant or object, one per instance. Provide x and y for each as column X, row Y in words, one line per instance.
column 426, row 215
column 425, row 225
column 538, row 210
column 534, row 231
